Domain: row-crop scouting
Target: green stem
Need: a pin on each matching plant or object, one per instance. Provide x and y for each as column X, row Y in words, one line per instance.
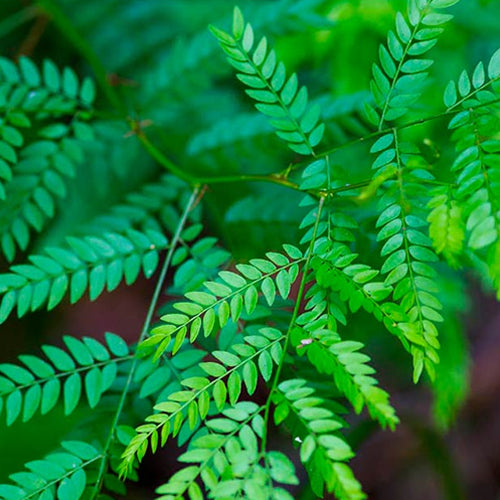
column 348, row 187
column 378, row 133
column 164, row 161
column 144, row 332
column 83, row 47
column 50, row 484
column 298, row 302
column 198, row 181
column 273, row 178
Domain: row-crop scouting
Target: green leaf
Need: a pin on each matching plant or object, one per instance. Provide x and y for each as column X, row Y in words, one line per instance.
column 220, row 394
column 250, row 377
column 450, row 94
column 72, row 487
column 494, row 65
column 50, row 395
column 72, row 392
column 265, row 363
column 238, row 23
column 269, row 290
column 93, row 386
column 116, row 344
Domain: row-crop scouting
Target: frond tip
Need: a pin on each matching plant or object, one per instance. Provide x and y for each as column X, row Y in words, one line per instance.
column 277, row 97
column 400, row 76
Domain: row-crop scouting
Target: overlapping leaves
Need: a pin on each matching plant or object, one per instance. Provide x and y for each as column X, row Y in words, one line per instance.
column 229, row 461
column 43, row 100
column 407, row 250
column 222, row 383
column 323, row 450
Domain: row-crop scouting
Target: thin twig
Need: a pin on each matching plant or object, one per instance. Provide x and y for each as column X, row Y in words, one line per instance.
column 295, row 313
column 145, row 329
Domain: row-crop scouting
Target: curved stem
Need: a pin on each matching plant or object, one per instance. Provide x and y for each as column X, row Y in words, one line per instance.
column 273, row 178
column 163, row 160
column 197, row 181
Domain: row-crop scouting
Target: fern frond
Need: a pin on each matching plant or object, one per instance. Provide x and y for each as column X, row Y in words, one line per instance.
column 407, row 250
column 38, row 182
column 85, row 263
column 323, row 450
column 90, row 367
column 352, row 376
column 49, row 92
column 446, row 226
column 473, row 91
column 229, row 462
column 398, row 80
column 355, row 284
column 227, row 299
column 476, row 169
column 278, row 97
column 63, row 474
column 324, row 347
column 257, row 356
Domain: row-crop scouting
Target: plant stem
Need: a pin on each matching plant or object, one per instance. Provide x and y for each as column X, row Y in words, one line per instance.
column 295, row 313
column 273, row 178
column 378, row 133
column 164, row 161
column 144, row 332
column 198, row 181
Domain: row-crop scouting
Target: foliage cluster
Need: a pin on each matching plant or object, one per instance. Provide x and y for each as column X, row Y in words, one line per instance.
column 335, row 249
